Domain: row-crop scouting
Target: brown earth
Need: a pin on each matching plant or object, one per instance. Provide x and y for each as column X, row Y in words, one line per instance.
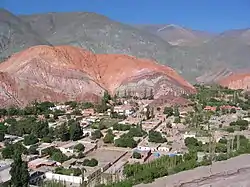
column 237, row 81
column 69, row 73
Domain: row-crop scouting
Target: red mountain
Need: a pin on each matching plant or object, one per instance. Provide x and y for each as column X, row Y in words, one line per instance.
column 69, row 73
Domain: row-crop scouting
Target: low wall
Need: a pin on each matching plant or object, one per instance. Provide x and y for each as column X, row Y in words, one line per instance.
column 63, row 178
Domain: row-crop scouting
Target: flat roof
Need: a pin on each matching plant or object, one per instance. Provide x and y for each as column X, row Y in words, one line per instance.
column 41, row 161
column 105, row 155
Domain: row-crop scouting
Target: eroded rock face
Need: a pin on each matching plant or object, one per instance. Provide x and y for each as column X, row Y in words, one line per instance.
column 70, row 73
column 237, row 81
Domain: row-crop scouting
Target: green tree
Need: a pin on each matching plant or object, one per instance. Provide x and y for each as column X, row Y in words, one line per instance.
column 79, row 147
column 233, row 111
column 75, row 131
column 72, row 104
column 91, row 163
column 177, row 120
column 53, row 184
column 151, row 94
column 191, row 141
column 19, row 172
column 121, row 127
column 125, row 141
column 59, row 156
column 97, row 134
column 40, row 129
column 136, row 132
column 62, row 132
column 109, row 137
column 30, row 139
column 136, row 155
column 168, row 111
column 106, row 97
column 47, row 139
column 155, row 136
column 230, row 129
column 33, row 150
column 176, row 111
column 1, row 136
column 10, row 149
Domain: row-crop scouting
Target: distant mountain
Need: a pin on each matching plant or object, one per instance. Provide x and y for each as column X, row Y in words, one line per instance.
column 238, row 34
column 16, row 35
column 194, row 54
column 99, row 34
column 177, row 35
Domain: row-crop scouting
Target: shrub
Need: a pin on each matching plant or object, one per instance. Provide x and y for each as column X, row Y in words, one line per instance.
column 137, row 155
column 91, row 163
column 79, row 147
column 30, row 139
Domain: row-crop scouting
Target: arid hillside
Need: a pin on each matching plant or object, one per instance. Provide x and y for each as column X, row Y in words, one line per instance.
column 237, row 81
column 70, row 73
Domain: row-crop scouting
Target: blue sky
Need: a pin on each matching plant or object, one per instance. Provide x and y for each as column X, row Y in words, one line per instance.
column 209, row 15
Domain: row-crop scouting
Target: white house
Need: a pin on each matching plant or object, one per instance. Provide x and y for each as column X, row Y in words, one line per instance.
column 126, row 110
column 68, row 148
column 64, row 178
column 59, row 107
column 189, row 135
column 87, row 132
column 163, row 149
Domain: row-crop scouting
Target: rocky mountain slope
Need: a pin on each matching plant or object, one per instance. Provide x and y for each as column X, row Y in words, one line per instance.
column 236, row 81
column 214, row 77
column 71, row 73
column 103, row 35
column 100, row 34
column 16, row 35
column 177, row 35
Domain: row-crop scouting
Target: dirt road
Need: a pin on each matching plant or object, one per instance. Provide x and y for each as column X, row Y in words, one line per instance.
column 234, row 172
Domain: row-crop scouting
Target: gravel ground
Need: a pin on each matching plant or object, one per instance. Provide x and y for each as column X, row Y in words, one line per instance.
column 231, row 173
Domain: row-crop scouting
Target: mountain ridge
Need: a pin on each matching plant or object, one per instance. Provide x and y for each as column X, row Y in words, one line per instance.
column 100, row 34
column 62, row 73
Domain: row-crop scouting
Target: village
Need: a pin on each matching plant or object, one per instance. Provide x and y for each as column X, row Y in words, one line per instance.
column 77, row 143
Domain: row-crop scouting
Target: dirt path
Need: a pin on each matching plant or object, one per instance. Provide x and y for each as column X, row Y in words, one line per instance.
column 234, row 172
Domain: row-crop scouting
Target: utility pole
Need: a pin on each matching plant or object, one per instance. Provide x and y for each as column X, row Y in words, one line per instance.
column 232, row 146
column 238, row 141
column 211, row 146
column 228, row 147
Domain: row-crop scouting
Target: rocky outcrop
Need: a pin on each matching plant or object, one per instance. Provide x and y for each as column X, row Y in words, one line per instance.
column 214, row 77
column 70, row 73
column 237, row 81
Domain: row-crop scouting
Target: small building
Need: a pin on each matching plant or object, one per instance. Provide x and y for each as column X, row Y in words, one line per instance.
column 59, row 107
column 87, row 132
column 210, row 108
column 36, row 177
column 228, row 107
column 44, row 146
column 68, row 148
column 88, row 112
column 189, row 135
column 126, row 110
column 34, row 164
column 12, row 139
column 5, row 176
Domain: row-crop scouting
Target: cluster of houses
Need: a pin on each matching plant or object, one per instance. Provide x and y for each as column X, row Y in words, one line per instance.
column 224, row 107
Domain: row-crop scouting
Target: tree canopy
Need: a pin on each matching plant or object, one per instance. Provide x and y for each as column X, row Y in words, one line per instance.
column 19, row 172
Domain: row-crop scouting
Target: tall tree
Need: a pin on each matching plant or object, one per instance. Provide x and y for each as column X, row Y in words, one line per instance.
column 75, row 131
column 62, row 132
column 151, row 94
column 19, row 172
